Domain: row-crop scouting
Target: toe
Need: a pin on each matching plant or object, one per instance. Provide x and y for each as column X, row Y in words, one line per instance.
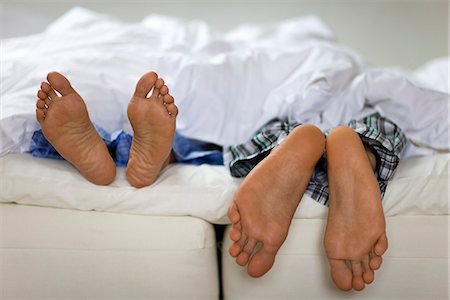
column 168, row 99
column 155, row 93
column 42, row 95
column 60, row 83
column 250, row 246
column 341, row 274
column 261, row 262
column 40, row 104
column 172, row 109
column 145, row 84
column 381, row 245
column 375, row 262
column 235, row 233
column 233, row 213
column 357, row 282
column 234, row 250
column 46, row 88
column 243, row 240
column 164, row 90
column 159, row 83
column 242, row 259
column 40, row 115
column 368, row 274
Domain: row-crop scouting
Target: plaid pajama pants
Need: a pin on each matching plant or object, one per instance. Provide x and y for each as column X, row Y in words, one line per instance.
column 382, row 136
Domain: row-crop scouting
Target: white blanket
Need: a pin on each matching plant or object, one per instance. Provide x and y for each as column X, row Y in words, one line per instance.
column 226, row 85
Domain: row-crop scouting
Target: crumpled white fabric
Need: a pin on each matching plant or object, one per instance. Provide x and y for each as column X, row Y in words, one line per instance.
column 434, row 74
column 200, row 191
column 226, row 85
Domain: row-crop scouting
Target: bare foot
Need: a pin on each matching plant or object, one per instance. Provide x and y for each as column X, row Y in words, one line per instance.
column 355, row 236
column 153, row 121
column 266, row 201
column 66, row 125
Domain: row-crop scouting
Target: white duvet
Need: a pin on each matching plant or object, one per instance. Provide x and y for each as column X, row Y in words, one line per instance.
column 226, row 85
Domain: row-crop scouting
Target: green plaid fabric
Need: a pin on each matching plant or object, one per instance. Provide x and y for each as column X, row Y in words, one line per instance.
column 379, row 134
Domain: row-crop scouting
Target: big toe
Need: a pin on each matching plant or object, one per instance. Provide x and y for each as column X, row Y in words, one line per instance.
column 341, row 274
column 145, row 84
column 60, row 83
column 261, row 262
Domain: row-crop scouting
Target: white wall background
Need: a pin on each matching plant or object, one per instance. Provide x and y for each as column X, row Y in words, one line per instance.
column 403, row 33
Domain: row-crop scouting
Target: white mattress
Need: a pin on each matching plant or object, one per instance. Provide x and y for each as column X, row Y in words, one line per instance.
column 67, row 254
column 56, row 251
column 415, row 267
column 419, row 187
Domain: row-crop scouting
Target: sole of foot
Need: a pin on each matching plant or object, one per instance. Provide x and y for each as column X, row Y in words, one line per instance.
column 355, row 236
column 65, row 122
column 152, row 114
column 267, row 199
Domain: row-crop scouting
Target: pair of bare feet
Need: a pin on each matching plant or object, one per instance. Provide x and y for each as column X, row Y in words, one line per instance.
column 266, row 201
column 65, row 122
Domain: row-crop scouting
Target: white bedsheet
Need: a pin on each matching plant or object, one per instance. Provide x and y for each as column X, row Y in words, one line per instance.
column 419, row 187
column 226, row 85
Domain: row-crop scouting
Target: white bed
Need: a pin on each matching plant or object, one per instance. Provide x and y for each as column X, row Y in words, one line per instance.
column 50, row 253
column 62, row 237
column 151, row 250
column 416, row 265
